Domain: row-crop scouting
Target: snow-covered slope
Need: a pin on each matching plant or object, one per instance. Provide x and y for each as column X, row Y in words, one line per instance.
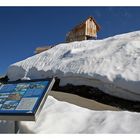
column 112, row 65
column 63, row 117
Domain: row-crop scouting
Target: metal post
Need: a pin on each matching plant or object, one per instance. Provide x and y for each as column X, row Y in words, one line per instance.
column 16, row 127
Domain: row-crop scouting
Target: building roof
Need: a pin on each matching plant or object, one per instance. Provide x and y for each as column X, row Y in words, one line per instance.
column 81, row 24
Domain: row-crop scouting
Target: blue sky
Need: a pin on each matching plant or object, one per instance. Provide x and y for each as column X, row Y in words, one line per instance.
column 22, row 29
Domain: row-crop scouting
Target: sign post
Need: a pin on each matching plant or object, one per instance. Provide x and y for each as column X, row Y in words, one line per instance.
column 23, row 100
column 16, row 129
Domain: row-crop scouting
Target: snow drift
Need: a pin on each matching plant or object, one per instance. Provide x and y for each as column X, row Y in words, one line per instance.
column 62, row 117
column 111, row 64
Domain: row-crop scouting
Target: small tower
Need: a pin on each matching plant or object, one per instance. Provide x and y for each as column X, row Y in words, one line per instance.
column 84, row 31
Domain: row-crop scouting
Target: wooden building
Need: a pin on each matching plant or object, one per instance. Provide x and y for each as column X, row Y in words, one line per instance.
column 84, row 31
column 42, row 49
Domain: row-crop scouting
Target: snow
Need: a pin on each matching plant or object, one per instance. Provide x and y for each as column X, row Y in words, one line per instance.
column 111, row 64
column 62, row 117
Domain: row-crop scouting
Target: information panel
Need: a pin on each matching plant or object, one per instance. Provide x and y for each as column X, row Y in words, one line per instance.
column 23, row 100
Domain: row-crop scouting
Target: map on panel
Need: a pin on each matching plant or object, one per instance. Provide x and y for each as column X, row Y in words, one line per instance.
column 22, row 97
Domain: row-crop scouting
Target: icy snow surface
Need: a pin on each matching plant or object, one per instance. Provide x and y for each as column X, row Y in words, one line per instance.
column 62, row 117
column 111, row 64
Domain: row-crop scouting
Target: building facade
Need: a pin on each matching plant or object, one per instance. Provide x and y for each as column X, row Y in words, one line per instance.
column 84, row 31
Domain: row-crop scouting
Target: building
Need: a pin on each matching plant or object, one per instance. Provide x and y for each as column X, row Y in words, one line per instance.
column 84, row 31
column 42, row 49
